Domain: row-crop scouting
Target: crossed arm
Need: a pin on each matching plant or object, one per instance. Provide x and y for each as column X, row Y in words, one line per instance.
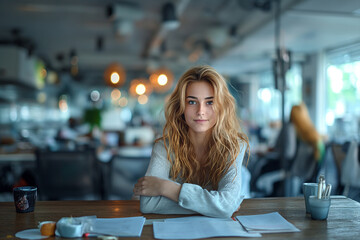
column 161, row 195
column 154, row 186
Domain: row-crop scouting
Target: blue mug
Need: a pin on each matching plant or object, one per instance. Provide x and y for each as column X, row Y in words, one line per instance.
column 309, row 189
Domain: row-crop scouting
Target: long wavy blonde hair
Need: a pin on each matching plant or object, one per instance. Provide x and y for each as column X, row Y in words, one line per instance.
column 226, row 137
column 306, row 130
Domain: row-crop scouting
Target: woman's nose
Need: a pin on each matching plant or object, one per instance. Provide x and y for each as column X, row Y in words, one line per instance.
column 201, row 109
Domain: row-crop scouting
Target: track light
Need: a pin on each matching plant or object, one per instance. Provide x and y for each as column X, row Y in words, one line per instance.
column 126, row 11
column 169, row 18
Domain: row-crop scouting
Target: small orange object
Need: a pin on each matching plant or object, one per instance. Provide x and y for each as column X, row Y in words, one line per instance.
column 48, row 228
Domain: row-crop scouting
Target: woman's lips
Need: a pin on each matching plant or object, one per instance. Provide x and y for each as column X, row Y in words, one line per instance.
column 200, row 120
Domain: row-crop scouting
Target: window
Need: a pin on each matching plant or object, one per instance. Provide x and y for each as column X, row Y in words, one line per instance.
column 269, row 98
column 343, row 93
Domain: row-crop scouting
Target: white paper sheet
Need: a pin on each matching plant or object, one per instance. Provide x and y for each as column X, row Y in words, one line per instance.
column 195, row 218
column 121, row 227
column 183, row 219
column 199, row 227
column 266, row 223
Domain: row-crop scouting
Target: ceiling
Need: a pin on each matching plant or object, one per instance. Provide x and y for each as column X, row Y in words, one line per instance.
column 235, row 36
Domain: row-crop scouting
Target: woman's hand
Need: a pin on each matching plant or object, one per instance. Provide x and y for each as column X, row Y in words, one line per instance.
column 149, row 186
column 154, row 186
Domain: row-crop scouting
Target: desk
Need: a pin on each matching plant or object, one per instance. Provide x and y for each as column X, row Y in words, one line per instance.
column 343, row 221
column 17, row 157
column 14, row 164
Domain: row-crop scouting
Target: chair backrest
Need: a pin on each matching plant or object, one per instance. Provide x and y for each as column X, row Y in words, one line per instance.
column 288, row 138
column 339, row 154
column 124, row 173
column 304, row 164
column 350, row 169
column 67, row 174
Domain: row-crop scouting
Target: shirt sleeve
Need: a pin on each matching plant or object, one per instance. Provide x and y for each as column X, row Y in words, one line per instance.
column 216, row 203
column 193, row 198
column 159, row 166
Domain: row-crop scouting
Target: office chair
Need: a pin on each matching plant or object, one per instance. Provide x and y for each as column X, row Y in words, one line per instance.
column 350, row 171
column 270, row 165
column 67, row 175
column 124, row 171
column 304, row 169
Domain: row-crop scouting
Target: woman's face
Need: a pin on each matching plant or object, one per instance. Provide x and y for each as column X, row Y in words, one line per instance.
column 199, row 112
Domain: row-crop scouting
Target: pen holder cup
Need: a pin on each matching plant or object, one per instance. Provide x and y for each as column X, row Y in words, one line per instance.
column 319, row 208
column 309, row 189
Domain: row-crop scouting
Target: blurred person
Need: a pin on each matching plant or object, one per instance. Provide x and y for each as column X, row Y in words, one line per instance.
column 298, row 152
column 72, row 135
column 69, row 130
column 196, row 166
column 306, row 131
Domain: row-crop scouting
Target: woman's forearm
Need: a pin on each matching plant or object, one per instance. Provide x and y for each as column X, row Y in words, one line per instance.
column 171, row 190
column 154, row 186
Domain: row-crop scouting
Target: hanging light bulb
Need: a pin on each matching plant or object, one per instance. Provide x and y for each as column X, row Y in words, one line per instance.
column 139, row 87
column 161, row 80
column 114, row 75
column 143, row 99
column 115, row 94
column 123, row 101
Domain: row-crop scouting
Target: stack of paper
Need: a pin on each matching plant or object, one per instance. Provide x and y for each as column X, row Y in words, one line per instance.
column 120, row 227
column 266, row 223
column 199, row 227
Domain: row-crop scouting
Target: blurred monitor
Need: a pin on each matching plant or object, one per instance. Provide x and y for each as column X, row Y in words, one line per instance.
column 139, row 135
column 112, row 139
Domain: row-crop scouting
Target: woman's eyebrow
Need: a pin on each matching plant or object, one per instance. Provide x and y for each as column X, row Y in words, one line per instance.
column 197, row 98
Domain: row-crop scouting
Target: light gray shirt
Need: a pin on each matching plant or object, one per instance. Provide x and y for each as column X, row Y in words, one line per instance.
column 193, row 198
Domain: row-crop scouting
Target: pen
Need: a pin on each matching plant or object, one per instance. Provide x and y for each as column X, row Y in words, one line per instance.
column 103, row 237
column 321, row 187
column 90, row 235
column 319, row 193
column 327, row 191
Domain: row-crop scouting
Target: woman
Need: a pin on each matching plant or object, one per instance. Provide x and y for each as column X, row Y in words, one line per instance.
column 196, row 166
column 306, row 130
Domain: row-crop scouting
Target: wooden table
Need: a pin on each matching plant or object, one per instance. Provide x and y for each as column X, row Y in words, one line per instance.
column 343, row 221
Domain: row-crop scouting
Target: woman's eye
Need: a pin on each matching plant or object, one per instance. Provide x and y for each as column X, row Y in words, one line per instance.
column 192, row 102
column 210, row 103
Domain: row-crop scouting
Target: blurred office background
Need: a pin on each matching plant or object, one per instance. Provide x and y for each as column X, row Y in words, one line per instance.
column 83, row 84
